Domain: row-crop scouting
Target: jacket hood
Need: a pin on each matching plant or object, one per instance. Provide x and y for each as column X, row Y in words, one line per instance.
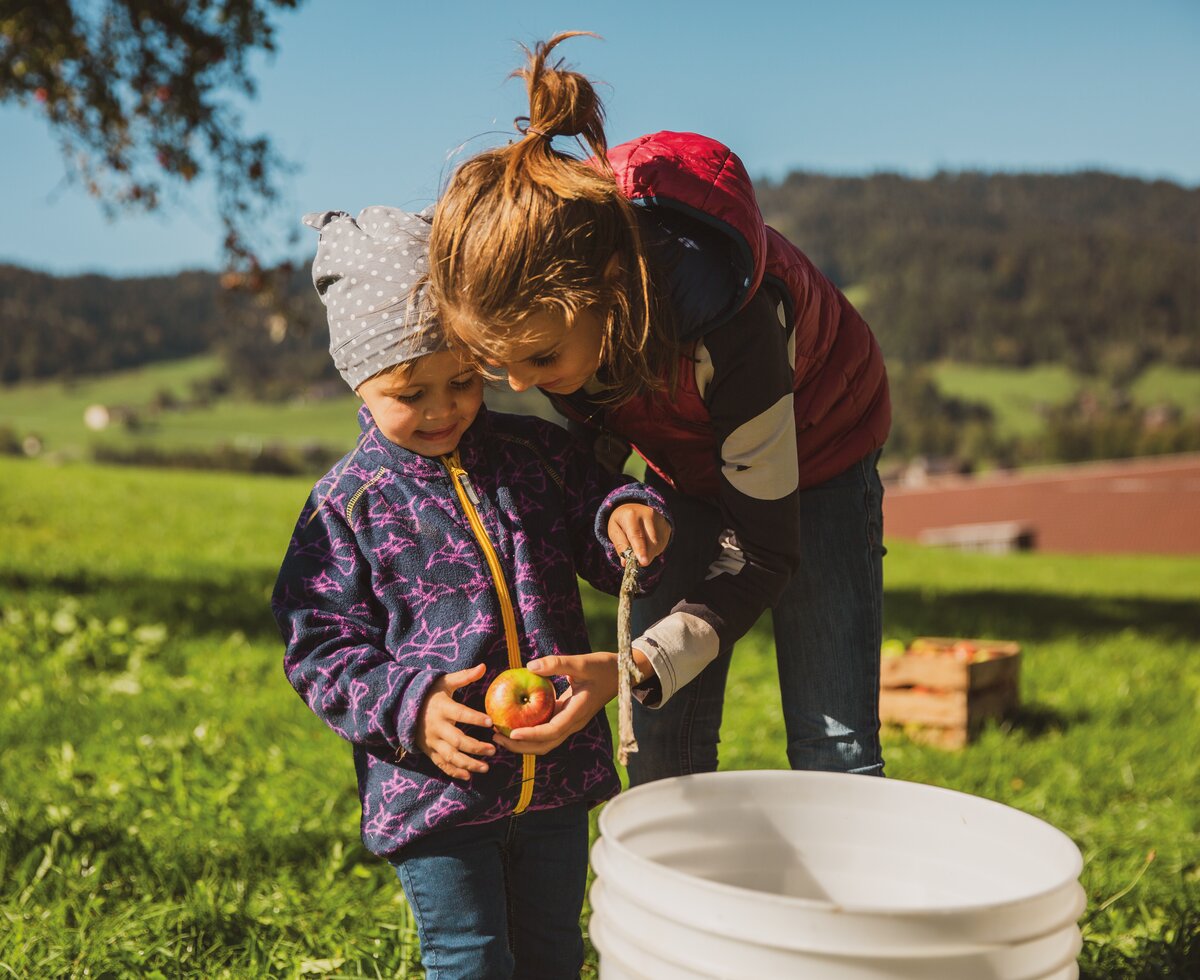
column 703, row 179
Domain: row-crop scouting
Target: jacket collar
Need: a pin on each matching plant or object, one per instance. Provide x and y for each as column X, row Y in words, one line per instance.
column 375, row 449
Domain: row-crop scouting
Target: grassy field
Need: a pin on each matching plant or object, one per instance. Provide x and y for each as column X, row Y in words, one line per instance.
column 54, row 410
column 170, row 808
column 1164, row 383
column 1016, row 395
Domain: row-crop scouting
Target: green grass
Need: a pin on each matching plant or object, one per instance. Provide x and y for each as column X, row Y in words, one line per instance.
column 1014, row 395
column 170, row 808
column 54, row 410
column 1164, row 383
column 332, row 422
column 1017, row 395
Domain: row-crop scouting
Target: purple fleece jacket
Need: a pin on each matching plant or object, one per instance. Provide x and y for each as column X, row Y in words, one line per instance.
column 385, row 588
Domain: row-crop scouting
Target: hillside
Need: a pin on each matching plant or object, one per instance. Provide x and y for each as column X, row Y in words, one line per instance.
column 1025, row 318
column 1091, row 270
column 1088, row 269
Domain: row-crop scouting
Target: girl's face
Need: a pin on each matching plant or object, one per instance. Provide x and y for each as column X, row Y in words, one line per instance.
column 559, row 357
column 427, row 408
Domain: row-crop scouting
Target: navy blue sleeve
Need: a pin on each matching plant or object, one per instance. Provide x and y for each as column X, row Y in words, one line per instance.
column 592, row 493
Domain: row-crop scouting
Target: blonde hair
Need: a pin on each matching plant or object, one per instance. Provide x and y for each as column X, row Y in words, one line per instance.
column 525, row 228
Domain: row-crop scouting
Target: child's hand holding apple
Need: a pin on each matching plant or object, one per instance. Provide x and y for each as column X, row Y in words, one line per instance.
column 438, row 734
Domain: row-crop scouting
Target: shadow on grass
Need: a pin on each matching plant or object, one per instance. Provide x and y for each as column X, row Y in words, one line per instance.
column 1035, row 615
column 189, row 606
column 1036, row 720
column 207, row 605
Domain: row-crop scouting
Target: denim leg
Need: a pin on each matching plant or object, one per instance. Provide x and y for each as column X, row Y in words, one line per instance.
column 454, row 882
column 681, row 737
column 828, row 626
column 547, row 876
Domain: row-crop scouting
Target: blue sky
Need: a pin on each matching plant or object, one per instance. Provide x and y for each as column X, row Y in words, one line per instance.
column 371, row 99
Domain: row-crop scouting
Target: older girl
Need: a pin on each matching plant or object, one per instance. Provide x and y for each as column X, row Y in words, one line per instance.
column 642, row 292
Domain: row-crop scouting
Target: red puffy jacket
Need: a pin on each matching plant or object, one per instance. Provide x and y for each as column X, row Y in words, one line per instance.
column 842, row 406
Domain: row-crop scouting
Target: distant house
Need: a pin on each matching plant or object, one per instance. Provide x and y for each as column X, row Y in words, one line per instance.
column 920, row 470
column 994, row 537
column 1149, row 505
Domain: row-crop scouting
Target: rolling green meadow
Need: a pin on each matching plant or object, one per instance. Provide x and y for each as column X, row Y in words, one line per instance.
column 170, row 808
column 1016, row 396
column 53, row 410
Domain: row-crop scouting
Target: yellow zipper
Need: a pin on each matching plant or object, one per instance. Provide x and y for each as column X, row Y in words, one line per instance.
column 468, row 499
column 353, row 501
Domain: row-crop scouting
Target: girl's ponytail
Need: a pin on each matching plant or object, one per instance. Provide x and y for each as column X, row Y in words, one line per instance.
column 561, row 103
column 525, row 228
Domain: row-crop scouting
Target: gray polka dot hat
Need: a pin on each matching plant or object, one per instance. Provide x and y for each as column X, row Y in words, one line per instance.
column 370, row 273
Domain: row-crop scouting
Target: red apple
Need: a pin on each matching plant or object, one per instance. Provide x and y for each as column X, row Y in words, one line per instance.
column 964, row 652
column 519, row 698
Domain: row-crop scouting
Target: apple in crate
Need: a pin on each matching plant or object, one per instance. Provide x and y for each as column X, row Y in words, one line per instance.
column 519, row 698
column 964, row 651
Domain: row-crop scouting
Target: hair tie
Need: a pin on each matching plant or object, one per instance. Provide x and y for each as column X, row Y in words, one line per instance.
column 527, row 129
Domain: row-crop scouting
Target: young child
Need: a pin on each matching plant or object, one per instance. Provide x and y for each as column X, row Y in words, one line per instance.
column 441, row 551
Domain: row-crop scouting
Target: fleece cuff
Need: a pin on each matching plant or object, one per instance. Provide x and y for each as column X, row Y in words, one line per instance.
column 678, row 648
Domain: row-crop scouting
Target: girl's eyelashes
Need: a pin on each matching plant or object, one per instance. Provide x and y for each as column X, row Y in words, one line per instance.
column 408, row 399
column 464, row 384
column 544, row 360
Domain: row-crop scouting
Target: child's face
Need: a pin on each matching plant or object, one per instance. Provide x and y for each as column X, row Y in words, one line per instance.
column 427, row 408
column 559, row 357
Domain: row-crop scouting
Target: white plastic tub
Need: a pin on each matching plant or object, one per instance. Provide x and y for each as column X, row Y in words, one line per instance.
column 762, row 873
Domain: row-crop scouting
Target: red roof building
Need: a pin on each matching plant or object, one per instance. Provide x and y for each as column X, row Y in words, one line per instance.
column 1149, row 505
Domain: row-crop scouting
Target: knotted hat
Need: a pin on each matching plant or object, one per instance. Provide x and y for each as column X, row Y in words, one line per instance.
column 370, row 273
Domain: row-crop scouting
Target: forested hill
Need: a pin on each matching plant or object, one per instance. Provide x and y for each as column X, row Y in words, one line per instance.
column 1094, row 270
column 1089, row 269
column 63, row 326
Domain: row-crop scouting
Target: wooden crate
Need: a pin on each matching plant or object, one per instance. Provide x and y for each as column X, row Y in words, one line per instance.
column 943, row 697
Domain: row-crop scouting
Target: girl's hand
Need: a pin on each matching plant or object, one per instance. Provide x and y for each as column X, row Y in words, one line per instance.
column 641, row 528
column 438, row 734
column 593, row 678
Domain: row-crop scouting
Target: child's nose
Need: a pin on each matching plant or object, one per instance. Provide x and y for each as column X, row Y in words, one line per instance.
column 519, row 380
column 437, row 407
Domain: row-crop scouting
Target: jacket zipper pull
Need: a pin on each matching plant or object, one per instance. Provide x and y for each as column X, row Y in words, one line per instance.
column 466, row 483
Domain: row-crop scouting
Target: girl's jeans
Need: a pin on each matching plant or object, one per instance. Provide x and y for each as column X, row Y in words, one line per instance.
column 500, row 899
column 828, row 627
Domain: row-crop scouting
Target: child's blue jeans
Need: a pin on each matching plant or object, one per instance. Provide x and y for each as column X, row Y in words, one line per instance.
column 828, row 626
column 500, row 899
